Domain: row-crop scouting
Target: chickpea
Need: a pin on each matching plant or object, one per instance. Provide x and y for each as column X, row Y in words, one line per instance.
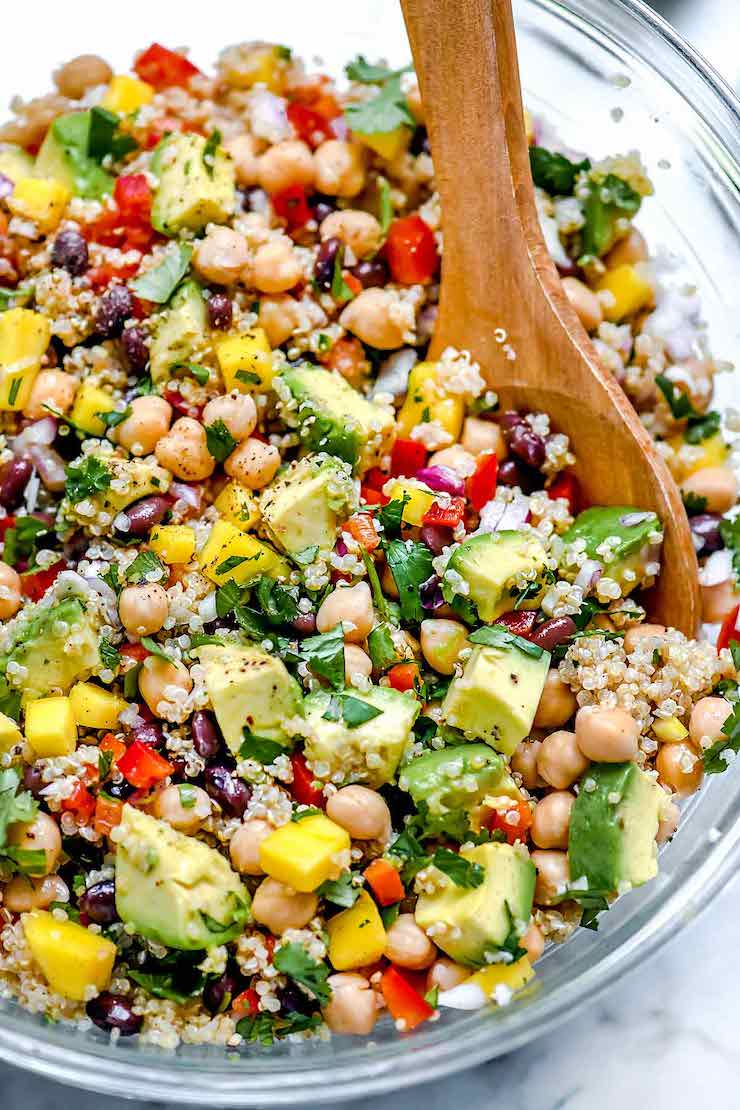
column 707, row 719
column 441, row 642
column 446, row 974
column 361, row 811
column 641, row 632
column 584, row 302
column 630, row 249
column 148, row 422
column 79, row 74
column 407, row 945
column 524, row 763
column 30, row 126
column 559, row 760
column 275, row 267
column 358, row 230
column 680, row 768
column 340, row 168
column 553, row 875
column 607, row 735
column 184, row 451
column 10, row 592
column 280, row 317
column 287, row 163
column 353, row 1008
column 483, row 435
column 668, row 823
column 533, row 941
column 50, row 387
column 221, row 256
column 352, row 605
column 557, row 702
column 244, row 847
column 143, row 609
column 253, row 463
column 356, row 662
column 717, row 484
column 552, row 819
column 185, row 807
column 371, row 317
column 457, row 458
column 243, row 150
column 279, row 908
column 23, row 894
column 41, row 834
column 156, row 675
column 718, row 601
column 236, row 410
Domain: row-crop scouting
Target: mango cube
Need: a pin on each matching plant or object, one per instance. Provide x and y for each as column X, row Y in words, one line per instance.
column 237, row 505
column 71, row 958
column 304, row 854
column 711, row 452
column 629, row 288
column 51, row 728
column 357, row 935
column 245, row 361
column 426, row 402
column 231, row 556
column 669, row 730
column 89, row 402
column 174, row 543
column 24, row 337
column 388, row 144
column 514, row 976
column 10, row 734
column 41, row 200
column 420, row 500
column 264, row 65
column 126, row 94
column 94, row 707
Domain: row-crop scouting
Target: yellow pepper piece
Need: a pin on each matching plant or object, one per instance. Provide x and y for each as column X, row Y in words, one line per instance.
column 245, row 361
column 388, row 144
column 304, row 854
column 174, row 543
column 10, row 734
column 237, row 505
column 669, row 729
column 24, row 337
column 71, row 958
column 89, row 402
column 630, row 289
column 265, row 65
column 513, row 976
column 420, row 500
column 231, row 556
column 41, row 200
column 357, row 935
column 125, row 94
column 94, row 707
column 51, row 728
column 427, row 402
column 712, row 452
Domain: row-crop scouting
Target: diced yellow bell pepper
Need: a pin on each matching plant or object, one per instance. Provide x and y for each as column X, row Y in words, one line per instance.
column 514, row 976
column 175, row 543
column 245, row 361
column 10, row 734
column 669, row 730
column 237, row 505
column 426, row 401
column 630, row 289
column 304, row 854
column 232, row 556
column 357, row 935
column 71, row 958
column 388, row 144
column 264, row 65
column 94, row 707
column 51, row 728
column 24, row 337
column 41, row 200
column 712, row 452
column 125, row 94
column 420, row 500
column 89, row 402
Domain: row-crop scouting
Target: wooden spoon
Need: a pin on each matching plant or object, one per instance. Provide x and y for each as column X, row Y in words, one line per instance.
column 501, row 295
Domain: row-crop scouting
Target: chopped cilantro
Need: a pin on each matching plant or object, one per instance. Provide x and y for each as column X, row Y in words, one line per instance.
column 104, row 137
column 410, row 563
column 385, row 112
column 341, row 891
column 200, row 373
column 340, row 291
column 20, row 540
column 293, row 960
column 219, row 440
column 213, row 142
column 693, row 503
column 497, row 636
column 110, row 656
column 462, row 872
column 159, row 283
column 277, row 603
column 362, row 71
column 87, row 478
column 381, row 647
column 145, row 563
column 259, row 748
column 553, row 172
column 608, row 200
column 353, row 711
column 718, row 758
column 325, row 656
column 390, row 516
column 729, row 530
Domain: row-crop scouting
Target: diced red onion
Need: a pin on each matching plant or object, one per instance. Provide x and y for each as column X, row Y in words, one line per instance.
column 341, row 547
column 498, row 516
column 588, row 575
column 269, row 116
column 442, row 479
column 630, row 520
column 718, row 568
column 6, row 186
column 41, row 433
column 50, row 466
column 393, row 377
column 430, row 593
column 191, row 495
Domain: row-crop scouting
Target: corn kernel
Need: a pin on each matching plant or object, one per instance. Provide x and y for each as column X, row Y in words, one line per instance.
column 51, row 728
column 304, row 854
column 89, row 403
column 237, row 505
column 420, row 501
column 231, row 556
column 174, row 543
column 40, row 200
column 629, row 289
column 514, row 976
column 245, row 361
column 94, row 707
column 24, row 337
column 669, row 730
column 126, row 94
column 71, row 958
column 357, row 935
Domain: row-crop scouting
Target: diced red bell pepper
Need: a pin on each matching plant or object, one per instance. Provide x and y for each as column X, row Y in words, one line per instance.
column 375, row 478
column 404, row 1003
column 108, row 814
column 519, row 621
column 360, row 526
column 291, row 205
column 111, row 744
column 353, row 284
column 384, row 881
column 568, row 487
column 372, row 496
column 5, row 523
column 165, row 125
column 142, row 766
column 134, row 651
column 80, row 802
column 404, row 676
column 309, row 124
column 35, row 584
column 445, row 516
column 163, row 68
column 407, row 456
column 411, row 251
column 302, row 788
column 513, row 822
column 729, row 630
column 481, row 485
column 182, row 406
column 100, row 277
column 246, row 1004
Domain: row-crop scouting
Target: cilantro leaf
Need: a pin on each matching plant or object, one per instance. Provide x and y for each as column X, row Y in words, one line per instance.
column 159, row 283
column 233, row 562
column 265, row 1027
column 293, row 960
column 13, row 806
column 163, row 985
column 86, row 478
column 110, row 656
column 228, row 597
column 341, row 891
column 340, row 291
column 553, row 172
column 200, row 373
column 379, row 600
column 260, row 748
column 20, row 540
column 219, row 440
column 145, row 563
column 462, row 872
column 702, row 427
column 678, row 402
column 381, row 647
column 592, row 901
column 496, row 635
column 362, row 71
column 353, row 711
column 104, row 137
column 718, row 758
column 410, row 563
column 213, row 142
column 390, row 516
column 277, row 603
column 693, row 503
column 608, row 200
column 307, row 556
column 325, row 656
column 113, row 418
column 155, row 649
column 385, row 112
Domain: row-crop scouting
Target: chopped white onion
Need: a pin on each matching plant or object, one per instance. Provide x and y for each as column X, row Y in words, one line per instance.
column 588, row 575
column 465, row 996
column 498, row 515
column 110, row 601
column 40, row 433
column 191, row 495
column 268, row 116
column 718, row 568
column 207, row 608
column 50, row 466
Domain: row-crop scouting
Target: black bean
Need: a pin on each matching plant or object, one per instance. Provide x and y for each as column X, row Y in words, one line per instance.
column 149, row 733
column 135, row 348
column 510, row 420
column 513, row 473
column 70, row 252
column 304, row 624
column 99, row 902
column 371, row 273
column 553, row 632
column 144, row 514
column 294, row 1001
column 13, row 482
column 120, row 790
column 420, row 142
column 220, row 311
column 33, row 781
column 231, row 793
column 114, row 309
column 321, row 206
column 219, row 993
column 323, row 269
column 206, row 739
column 706, row 533
column 113, row 1011
column 529, row 446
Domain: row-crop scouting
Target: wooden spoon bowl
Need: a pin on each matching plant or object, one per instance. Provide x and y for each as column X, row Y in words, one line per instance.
column 501, row 296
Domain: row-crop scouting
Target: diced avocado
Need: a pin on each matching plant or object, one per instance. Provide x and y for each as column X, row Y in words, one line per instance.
column 58, row 646
column 613, row 825
column 15, row 164
column 486, row 918
column 487, row 574
column 331, row 416
column 174, row 889
column 370, row 752
column 180, row 330
column 451, row 783
column 131, row 479
column 249, row 688
column 496, row 697
column 303, row 507
column 618, row 537
column 196, row 184
column 64, row 157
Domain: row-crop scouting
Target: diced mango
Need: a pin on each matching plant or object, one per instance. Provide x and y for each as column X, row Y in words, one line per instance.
column 89, row 402
column 24, row 337
column 71, row 958
column 245, row 361
column 41, row 200
column 94, row 707
column 427, row 402
column 357, row 935
column 712, row 452
column 10, row 734
column 420, row 500
column 126, row 94
column 231, row 556
column 174, row 543
column 388, row 144
column 51, row 728
column 513, row 976
column 237, row 505
column 264, row 65
column 630, row 289
column 304, row 854
column 669, row 730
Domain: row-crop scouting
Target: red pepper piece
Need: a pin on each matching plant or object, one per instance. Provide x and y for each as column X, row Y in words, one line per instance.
column 309, row 124
column 372, row 496
column 291, row 205
column 567, row 486
column 142, row 766
column 5, row 523
column 108, row 814
column 481, row 485
column 411, row 251
column 385, row 882
column 404, row 1003
column 163, row 68
column 445, row 516
column 35, row 584
column 407, row 456
column 246, row 1004
column 375, row 478
column 404, row 676
column 519, row 621
column 729, row 630
column 134, row 651
column 302, row 789
column 80, row 802
column 513, row 822
column 182, row 406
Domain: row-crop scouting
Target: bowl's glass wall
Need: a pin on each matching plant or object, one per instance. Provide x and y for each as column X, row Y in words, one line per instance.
column 575, row 57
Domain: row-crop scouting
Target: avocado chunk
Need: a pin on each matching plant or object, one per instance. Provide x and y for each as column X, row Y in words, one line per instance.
column 331, row 416
column 130, row 480
column 496, row 697
column 249, row 688
column 450, row 783
column 613, row 825
column 618, row 537
column 174, row 889
column 196, row 186
column 302, row 509
column 369, row 752
column 487, row 919
column 57, row 647
column 64, row 156
column 488, row 573
column 179, row 331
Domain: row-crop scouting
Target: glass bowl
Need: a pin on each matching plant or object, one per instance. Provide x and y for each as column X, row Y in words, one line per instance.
column 611, row 76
